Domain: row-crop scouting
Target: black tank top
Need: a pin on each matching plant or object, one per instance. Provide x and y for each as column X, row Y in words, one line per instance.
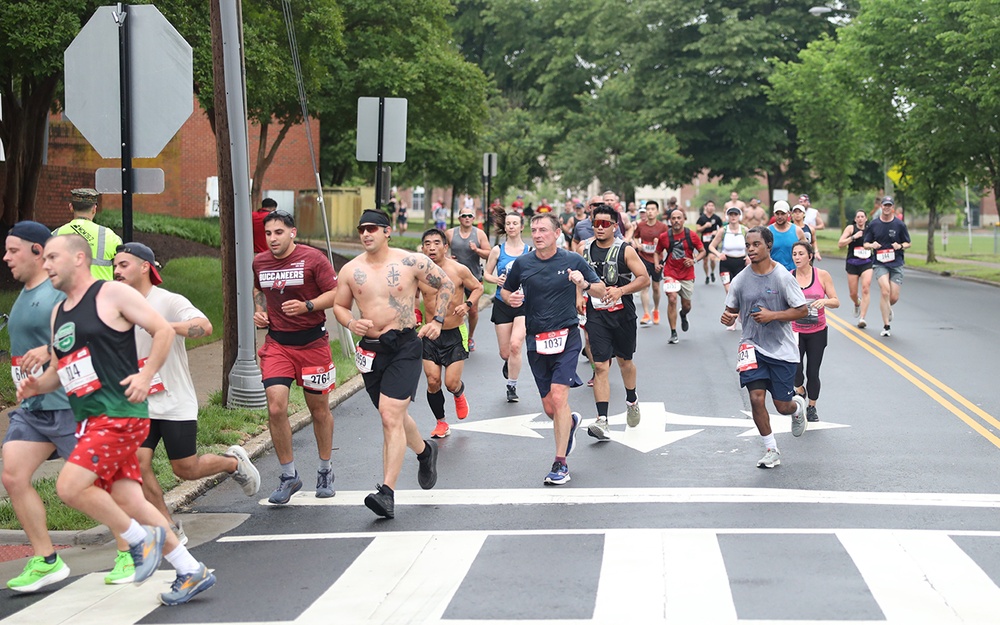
column 598, row 258
column 853, row 243
column 86, row 345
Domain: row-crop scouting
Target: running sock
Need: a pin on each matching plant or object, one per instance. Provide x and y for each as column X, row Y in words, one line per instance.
column 769, row 442
column 512, row 383
column 325, row 465
column 602, row 409
column 630, row 396
column 457, row 393
column 134, row 534
column 436, row 402
column 51, row 559
column 425, row 453
column 561, row 459
column 288, row 470
column 182, row 560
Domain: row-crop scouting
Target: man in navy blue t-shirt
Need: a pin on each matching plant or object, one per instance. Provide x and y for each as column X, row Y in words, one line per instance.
column 547, row 283
column 888, row 237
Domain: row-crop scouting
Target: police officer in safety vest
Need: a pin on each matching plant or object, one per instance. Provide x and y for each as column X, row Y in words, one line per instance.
column 103, row 241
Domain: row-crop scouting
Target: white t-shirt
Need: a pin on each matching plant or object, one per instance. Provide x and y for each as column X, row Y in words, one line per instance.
column 179, row 401
column 810, row 217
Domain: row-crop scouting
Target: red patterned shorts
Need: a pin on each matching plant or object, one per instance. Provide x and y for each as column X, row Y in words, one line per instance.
column 106, row 446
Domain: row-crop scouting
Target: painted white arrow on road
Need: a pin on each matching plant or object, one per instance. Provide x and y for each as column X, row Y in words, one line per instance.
column 651, row 433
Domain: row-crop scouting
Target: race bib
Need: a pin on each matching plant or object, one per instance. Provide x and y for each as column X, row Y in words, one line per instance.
column 862, row 252
column 724, row 276
column 77, row 374
column 609, row 307
column 363, row 359
column 156, row 384
column 670, row 285
column 549, row 343
column 15, row 370
column 649, row 248
column 885, row 256
column 746, row 357
column 321, row 379
column 812, row 316
column 707, row 238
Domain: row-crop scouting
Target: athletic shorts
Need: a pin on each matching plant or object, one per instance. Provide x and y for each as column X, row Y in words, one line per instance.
column 107, row 446
column 654, row 275
column 397, row 365
column 43, row 426
column 857, row 270
column 687, row 289
column 611, row 334
column 895, row 273
column 282, row 364
column 732, row 265
column 504, row 312
column 180, row 438
column 779, row 375
column 447, row 348
column 556, row 368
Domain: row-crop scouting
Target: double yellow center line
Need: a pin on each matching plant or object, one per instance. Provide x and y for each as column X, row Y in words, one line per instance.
column 900, row 364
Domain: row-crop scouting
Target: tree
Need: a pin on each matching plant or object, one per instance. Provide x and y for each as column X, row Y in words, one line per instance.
column 813, row 92
column 33, row 36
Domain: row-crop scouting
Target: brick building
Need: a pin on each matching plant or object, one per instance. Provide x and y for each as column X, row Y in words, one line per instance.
column 189, row 170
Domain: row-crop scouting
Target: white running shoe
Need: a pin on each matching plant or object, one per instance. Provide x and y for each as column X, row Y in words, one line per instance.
column 599, row 429
column 799, row 418
column 770, row 460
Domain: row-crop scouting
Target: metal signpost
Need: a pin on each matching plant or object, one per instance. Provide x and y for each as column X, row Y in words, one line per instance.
column 381, row 135
column 489, row 170
column 128, row 101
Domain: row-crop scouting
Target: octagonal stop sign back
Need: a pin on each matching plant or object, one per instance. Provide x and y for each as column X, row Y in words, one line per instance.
column 161, row 81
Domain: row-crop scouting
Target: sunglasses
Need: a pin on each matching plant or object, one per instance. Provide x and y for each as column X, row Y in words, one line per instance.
column 464, row 216
column 369, row 228
column 603, row 223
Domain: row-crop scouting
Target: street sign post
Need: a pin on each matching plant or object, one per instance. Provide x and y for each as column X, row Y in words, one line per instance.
column 381, row 135
column 489, row 170
column 128, row 101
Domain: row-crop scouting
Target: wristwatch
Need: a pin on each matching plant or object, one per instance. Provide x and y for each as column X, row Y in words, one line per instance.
column 438, row 318
column 309, row 305
column 469, row 303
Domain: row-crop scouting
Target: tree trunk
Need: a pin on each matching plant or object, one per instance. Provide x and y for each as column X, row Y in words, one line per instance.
column 841, row 209
column 227, row 212
column 25, row 116
column 932, row 219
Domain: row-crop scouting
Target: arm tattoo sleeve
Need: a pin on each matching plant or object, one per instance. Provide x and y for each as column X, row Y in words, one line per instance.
column 445, row 287
column 259, row 300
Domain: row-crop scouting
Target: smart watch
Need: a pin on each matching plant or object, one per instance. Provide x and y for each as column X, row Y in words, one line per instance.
column 309, row 305
column 438, row 318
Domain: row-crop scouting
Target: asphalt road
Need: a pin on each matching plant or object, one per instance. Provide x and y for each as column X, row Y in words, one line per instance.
column 884, row 513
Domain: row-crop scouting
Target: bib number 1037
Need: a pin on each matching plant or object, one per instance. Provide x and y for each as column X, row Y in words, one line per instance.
column 549, row 343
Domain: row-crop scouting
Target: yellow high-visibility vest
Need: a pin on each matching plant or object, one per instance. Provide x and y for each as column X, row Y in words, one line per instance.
column 103, row 245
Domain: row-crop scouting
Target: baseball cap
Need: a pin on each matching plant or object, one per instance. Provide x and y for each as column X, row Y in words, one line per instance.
column 799, row 207
column 734, row 209
column 142, row 252
column 781, row 206
column 642, row 209
column 887, row 200
column 30, row 231
column 804, row 197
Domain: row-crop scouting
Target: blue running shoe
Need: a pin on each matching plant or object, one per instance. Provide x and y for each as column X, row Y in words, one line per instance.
column 287, row 487
column 558, row 475
column 146, row 555
column 185, row 587
column 571, row 444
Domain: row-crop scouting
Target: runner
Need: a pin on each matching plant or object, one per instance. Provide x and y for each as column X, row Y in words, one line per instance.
column 611, row 320
column 644, row 237
column 817, row 287
column 469, row 246
column 887, row 237
column 389, row 352
column 94, row 353
column 680, row 251
column 707, row 225
column 766, row 299
column 754, row 214
column 734, row 202
column 552, row 279
column 859, row 265
column 293, row 285
column 173, row 403
column 729, row 248
column 799, row 219
column 508, row 322
column 40, row 425
column 449, row 349
column 784, row 234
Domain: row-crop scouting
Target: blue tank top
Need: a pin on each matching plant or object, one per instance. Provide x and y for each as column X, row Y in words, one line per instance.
column 504, row 261
column 781, row 251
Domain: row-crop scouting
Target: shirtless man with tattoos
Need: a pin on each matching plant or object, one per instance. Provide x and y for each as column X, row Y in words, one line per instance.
column 383, row 281
column 293, row 285
column 451, row 348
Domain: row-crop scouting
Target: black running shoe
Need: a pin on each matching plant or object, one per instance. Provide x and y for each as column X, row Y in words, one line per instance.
column 382, row 502
column 427, row 474
column 684, row 322
column 504, row 370
column 512, row 394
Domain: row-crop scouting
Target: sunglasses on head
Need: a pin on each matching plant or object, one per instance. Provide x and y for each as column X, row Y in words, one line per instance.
column 369, row 228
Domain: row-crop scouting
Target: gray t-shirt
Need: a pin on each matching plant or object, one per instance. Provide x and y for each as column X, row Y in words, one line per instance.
column 29, row 327
column 777, row 291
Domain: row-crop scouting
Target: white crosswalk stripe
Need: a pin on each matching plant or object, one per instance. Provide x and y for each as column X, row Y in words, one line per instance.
column 647, row 576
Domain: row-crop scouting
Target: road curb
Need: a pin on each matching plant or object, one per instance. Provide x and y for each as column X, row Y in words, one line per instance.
column 953, row 276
